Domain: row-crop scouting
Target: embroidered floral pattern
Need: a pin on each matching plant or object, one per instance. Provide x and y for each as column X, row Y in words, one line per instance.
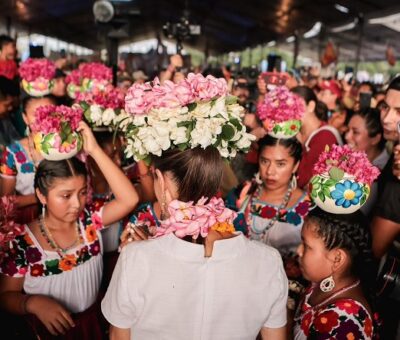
column 24, row 256
column 342, row 319
column 14, row 160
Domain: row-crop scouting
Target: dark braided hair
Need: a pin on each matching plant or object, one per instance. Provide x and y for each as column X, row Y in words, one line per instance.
column 351, row 233
column 48, row 171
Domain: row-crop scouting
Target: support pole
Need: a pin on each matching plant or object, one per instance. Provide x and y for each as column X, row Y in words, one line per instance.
column 359, row 43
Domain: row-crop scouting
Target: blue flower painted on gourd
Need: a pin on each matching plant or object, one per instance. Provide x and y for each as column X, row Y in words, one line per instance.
column 347, row 194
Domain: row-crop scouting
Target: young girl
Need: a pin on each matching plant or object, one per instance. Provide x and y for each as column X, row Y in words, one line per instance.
column 54, row 271
column 335, row 255
column 18, row 164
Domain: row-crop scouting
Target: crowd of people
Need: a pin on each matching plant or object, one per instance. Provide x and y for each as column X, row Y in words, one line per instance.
column 148, row 233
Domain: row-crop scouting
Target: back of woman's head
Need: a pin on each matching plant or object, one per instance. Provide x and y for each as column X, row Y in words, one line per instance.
column 351, row 233
column 197, row 172
column 50, row 171
column 28, row 100
column 291, row 144
column 373, row 124
column 306, row 93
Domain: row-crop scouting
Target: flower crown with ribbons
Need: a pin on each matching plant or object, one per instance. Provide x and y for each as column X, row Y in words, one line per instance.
column 281, row 112
column 196, row 112
column 341, row 179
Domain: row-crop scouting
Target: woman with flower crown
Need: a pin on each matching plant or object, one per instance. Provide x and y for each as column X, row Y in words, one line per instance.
column 191, row 279
column 335, row 253
column 52, row 273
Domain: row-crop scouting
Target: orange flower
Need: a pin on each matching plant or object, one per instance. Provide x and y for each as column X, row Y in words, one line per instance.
column 223, row 227
column 91, row 234
column 67, row 262
column 28, row 240
column 368, row 327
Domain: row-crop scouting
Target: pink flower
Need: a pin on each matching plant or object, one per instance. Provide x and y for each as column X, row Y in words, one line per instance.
column 354, row 163
column 194, row 220
column 48, row 118
column 96, row 71
column 111, row 97
column 281, row 105
column 137, row 100
column 32, row 69
column 183, row 92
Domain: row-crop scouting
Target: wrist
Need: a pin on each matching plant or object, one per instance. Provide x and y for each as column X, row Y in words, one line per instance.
column 27, row 304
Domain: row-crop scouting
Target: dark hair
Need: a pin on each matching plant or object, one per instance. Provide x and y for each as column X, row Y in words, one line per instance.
column 306, row 93
column 4, row 40
column 373, row 123
column 197, row 172
column 104, row 137
column 351, row 233
column 292, row 144
column 321, row 111
column 8, row 88
column 26, row 101
column 48, row 171
column 370, row 85
column 394, row 84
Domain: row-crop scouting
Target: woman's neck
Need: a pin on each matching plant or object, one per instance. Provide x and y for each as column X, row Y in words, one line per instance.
column 373, row 153
column 54, row 223
column 312, row 124
column 273, row 196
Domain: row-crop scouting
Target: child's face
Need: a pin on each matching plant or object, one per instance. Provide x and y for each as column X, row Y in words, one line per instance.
column 5, row 106
column 314, row 262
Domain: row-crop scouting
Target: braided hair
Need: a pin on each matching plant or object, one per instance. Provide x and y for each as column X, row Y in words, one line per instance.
column 48, row 171
column 351, row 233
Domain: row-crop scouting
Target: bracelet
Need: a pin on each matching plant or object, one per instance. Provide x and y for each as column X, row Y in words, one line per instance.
column 24, row 303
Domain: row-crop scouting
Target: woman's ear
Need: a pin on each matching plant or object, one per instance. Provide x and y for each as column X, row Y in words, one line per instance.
column 41, row 197
column 311, row 106
column 25, row 118
column 160, row 178
column 376, row 139
column 339, row 258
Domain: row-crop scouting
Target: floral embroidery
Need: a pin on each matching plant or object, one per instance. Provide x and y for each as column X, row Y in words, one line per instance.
column 14, row 159
column 326, row 321
column 144, row 213
column 20, row 157
column 27, row 168
column 24, row 256
column 349, row 306
column 268, row 212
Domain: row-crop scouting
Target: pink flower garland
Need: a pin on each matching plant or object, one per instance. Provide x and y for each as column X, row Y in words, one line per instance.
column 96, row 71
column 141, row 98
column 31, row 69
column 354, row 163
column 194, row 220
column 48, row 118
column 8, row 228
column 281, row 105
column 111, row 97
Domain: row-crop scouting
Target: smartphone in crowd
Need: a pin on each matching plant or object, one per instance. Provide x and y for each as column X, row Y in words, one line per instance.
column 365, row 100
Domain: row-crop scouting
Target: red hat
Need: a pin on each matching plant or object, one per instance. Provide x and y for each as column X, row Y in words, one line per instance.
column 332, row 86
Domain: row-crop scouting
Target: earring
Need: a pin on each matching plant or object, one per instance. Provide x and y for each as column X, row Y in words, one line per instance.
column 163, row 207
column 258, row 179
column 43, row 211
column 293, row 181
column 27, row 131
column 327, row 284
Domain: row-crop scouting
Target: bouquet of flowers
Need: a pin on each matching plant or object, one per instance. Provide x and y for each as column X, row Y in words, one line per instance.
column 281, row 112
column 8, row 228
column 54, row 131
column 101, row 108
column 342, row 179
column 88, row 77
column 37, row 76
column 197, row 111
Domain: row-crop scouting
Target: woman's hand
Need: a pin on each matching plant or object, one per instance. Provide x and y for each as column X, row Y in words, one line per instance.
column 134, row 232
column 52, row 314
column 89, row 142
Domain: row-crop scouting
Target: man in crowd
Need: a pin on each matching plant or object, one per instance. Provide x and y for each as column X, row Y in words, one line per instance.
column 8, row 54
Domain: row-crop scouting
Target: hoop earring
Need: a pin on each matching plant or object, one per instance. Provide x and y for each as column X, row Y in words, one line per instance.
column 293, row 181
column 327, row 284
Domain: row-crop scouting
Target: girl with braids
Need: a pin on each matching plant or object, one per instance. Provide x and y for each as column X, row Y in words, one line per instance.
column 54, row 270
column 336, row 256
column 18, row 164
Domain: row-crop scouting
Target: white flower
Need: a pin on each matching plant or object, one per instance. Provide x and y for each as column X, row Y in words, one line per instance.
column 108, row 116
column 245, row 141
column 235, row 110
column 202, row 135
column 224, row 152
column 139, row 120
column 165, row 113
column 202, row 110
column 219, row 108
column 96, row 114
column 178, row 135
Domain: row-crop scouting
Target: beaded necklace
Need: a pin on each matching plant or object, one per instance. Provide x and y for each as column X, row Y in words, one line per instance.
column 50, row 240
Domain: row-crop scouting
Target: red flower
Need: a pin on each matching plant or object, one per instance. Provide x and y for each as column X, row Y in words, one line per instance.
column 268, row 212
column 147, row 216
column 305, row 323
column 368, row 327
column 326, row 321
column 37, row 270
column 303, row 208
column 20, row 157
column 293, row 127
column 349, row 306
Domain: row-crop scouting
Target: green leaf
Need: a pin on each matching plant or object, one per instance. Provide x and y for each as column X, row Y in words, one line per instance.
column 321, row 196
column 366, row 189
column 231, row 100
column 336, row 173
column 182, row 146
column 277, row 128
column 46, row 147
column 363, row 199
column 213, row 102
column 316, row 186
column 315, row 179
column 313, row 193
column 330, row 182
column 228, row 132
column 326, row 191
column 87, row 115
column 84, row 105
column 192, row 106
column 235, row 122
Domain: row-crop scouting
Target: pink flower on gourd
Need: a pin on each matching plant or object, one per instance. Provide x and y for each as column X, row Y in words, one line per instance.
column 280, row 105
column 31, row 69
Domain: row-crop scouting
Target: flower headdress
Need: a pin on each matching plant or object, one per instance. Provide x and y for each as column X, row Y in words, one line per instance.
column 54, row 128
column 88, row 77
column 281, row 112
column 197, row 111
column 188, row 219
column 342, row 179
column 8, row 228
column 37, row 76
column 101, row 108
